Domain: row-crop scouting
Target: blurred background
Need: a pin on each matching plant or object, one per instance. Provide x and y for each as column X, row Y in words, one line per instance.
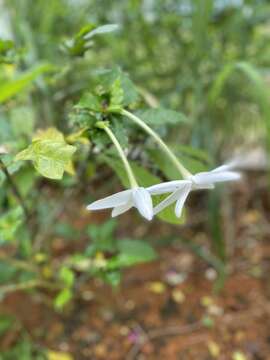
column 79, row 285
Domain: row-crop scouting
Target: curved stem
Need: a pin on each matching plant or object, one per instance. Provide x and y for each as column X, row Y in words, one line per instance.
column 183, row 171
column 131, row 177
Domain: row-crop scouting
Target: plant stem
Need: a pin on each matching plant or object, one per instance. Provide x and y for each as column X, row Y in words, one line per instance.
column 183, row 171
column 15, row 190
column 131, row 177
column 5, row 289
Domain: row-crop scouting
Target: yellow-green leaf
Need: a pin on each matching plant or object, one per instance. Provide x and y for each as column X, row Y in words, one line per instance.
column 50, row 153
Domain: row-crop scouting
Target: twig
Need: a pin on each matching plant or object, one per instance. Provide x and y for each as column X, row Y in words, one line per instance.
column 156, row 333
column 15, row 190
column 20, row 264
column 5, row 289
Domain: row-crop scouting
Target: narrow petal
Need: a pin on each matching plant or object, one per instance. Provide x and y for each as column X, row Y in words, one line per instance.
column 169, row 186
column 163, row 188
column 181, row 200
column 213, row 177
column 229, row 166
column 118, row 210
column 224, row 167
column 111, row 201
column 143, row 202
column 168, row 201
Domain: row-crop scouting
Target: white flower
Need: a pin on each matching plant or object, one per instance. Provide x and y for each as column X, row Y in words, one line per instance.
column 181, row 188
column 121, row 202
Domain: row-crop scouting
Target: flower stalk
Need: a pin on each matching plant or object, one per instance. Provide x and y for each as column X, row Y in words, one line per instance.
column 130, row 174
column 183, row 171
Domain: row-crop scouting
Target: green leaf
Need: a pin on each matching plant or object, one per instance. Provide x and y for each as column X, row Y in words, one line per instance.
column 168, row 214
column 62, row 298
column 108, row 77
column 161, row 116
column 13, row 87
column 102, row 236
column 90, row 101
column 117, row 95
column 82, row 41
column 50, row 154
column 67, row 276
column 137, row 248
column 10, row 223
column 102, row 30
column 131, row 252
column 194, row 160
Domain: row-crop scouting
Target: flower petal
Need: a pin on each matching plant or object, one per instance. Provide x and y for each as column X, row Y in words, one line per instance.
column 118, row 210
column 211, row 177
column 169, row 186
column 229, row 166
column 143, row 202
column 111, row 201
column 168, row 201
column 181, row 200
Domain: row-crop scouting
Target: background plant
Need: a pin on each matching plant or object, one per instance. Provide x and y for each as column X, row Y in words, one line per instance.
column 201, row 84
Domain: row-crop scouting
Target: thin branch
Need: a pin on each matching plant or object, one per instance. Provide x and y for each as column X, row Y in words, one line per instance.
column 15, row 190
column 31, row 284
column 156, row 333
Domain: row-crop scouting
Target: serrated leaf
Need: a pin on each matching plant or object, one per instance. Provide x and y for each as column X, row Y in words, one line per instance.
column 89, row 101
column 161, row 116
column 117, row 94
column 50, row 154
column 107, row 79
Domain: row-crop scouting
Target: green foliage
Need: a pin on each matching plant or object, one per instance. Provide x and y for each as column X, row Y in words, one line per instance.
column 7, row 51
column 162, row 117
column 195, row 66
column 10, row 223
column 82, row 41
column 50, row 154
column 131, row 252
column 14, row 86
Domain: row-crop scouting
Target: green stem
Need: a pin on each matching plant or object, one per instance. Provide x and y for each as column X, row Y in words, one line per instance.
column 183, row 171
column 15, row 190
column 131, row 177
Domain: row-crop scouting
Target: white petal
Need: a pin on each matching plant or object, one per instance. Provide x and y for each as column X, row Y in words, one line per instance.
column 181, row 200
column 143, row 202
column 213, row 177
column 229, row 166
column 169, row 186
column 118, row 210
column 111, row 201
column 168, row 201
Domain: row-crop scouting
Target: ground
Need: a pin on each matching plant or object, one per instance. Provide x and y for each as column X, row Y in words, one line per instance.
column 167, row 309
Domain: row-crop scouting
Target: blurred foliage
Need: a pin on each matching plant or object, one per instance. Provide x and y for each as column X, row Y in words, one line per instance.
column 196, row 71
